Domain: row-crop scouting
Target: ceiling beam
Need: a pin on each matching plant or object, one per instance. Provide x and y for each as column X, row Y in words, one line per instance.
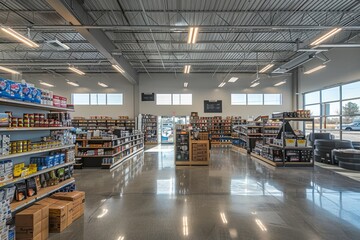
column 140, row 51
column 181, row 28
column 74, row 13
column 204, row 42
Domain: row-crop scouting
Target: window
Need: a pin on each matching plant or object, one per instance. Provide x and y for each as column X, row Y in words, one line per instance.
column 330, row 94
column 313, row 97
column 255, row 99
column 314, row 109
column 238, row 99
column 97, row 98
column 351, row 90
column 114, row 99
column 163, row 99
column 272, row 99
column 182, row 99
column 80, row 98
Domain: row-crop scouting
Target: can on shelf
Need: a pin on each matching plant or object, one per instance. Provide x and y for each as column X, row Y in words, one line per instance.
column 14, row 122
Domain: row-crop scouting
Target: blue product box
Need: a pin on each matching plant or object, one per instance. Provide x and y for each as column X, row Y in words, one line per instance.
column 26, row 90
column 56, row 159
column 16, row 91
column 36, row 95
column 49, row 161
column 5, row 88
column 62, row 158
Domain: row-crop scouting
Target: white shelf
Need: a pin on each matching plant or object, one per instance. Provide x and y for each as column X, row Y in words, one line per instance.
column 19, row 179
column 15, row 103
column 123, row 159
column 4, row 157
column 10, row 129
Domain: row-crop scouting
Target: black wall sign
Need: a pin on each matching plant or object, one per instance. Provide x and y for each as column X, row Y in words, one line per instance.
column 147, row 97
column 212, row 106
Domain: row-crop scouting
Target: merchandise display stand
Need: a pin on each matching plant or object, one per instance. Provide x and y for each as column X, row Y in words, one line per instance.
column 150, row 128
column 189, row 152
column 107, row 153
column 103, row 124
column 285, row 153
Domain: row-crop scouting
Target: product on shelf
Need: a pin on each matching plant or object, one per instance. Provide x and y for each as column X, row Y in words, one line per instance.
column 295, row 114
column 149, row 124
column 5, row 144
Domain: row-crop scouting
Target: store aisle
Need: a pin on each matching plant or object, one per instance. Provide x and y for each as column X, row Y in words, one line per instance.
column 233, row 198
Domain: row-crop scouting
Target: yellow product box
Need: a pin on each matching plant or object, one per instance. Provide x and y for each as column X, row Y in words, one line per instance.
column 32, row 169
column 301, row 143
column 18, row 169
column 290, row 142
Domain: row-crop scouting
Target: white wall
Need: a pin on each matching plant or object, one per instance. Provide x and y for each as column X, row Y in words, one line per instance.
column 205, row 87
column 88, row 84
column 343, row 67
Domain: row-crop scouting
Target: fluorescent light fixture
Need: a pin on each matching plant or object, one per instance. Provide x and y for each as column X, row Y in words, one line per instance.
column 121, row 238
column 261, row 225
column 267, row 67
column 76, row 70
column 312, row 50
column 118, row 68
column 185, row 226
column 315, row 69
column 73, row 83
column 20, row 37
column 104, row 212
column 344, row 45
column 326, row 36
column 57, row 45
column 102, row 84
column 46, row 84
column 223, row 218
column 280, row 83
column 254, row 84
column 186, row 84
column 8, row 70
column 222, row 84
column 187, row 69
column 233, row 79
column 193, row 32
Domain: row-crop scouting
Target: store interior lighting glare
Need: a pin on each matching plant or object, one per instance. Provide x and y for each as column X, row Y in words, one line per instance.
column 326, row 36
column 280, row 83
column 254, row 84
column 19, row 37
column 193, row 32
column 315, row 69
column 118, row 68
column 8, row 70
column 267, row 67
column 233, row 79
column 73, row 83
column 46, row 84
column 76, row 70
column 102, row 84
column 186, row 84
column 222, row 84
column 187, row 69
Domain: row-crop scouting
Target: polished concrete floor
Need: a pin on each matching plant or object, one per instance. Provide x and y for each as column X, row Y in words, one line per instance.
column 234, row 198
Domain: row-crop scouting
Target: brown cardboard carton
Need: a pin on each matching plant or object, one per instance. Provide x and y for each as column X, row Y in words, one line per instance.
column 45, row 228
column 24, row 232
column 78, row 211
column 44, row 210
column 69, row 196
column 28, row 217
column 37, row 237
column 69, row 207
column 46, row 201
column 58, row 217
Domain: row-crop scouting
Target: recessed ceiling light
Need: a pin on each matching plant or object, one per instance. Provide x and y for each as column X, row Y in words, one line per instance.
column 254, row 84
column 315, row 69
column 193, row 32
column 8, row 70
column 267, row 67
column 222, row 84
column 76, row 70
column 233, row 79
column 46, row 84
column 102, row 84
column 280, row 83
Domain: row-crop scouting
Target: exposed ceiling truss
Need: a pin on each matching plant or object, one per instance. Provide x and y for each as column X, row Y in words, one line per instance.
column 151, row 36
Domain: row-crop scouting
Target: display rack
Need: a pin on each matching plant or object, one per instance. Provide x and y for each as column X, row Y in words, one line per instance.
column 21, row 132
column 107, row 153
column 283, row 154
column 221, row 131
column 239, row 139
column 150, row 128
column 189, row 152
column 103, row 124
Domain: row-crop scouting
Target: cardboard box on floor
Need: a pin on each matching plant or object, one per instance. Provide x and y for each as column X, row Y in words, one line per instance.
column 77, row 198
column 32, row 223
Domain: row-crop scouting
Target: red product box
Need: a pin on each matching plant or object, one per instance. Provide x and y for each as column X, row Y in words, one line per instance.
column 57, row 101
column 63, row 102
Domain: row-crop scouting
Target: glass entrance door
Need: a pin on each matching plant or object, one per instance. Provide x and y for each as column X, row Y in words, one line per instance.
column 167, row 129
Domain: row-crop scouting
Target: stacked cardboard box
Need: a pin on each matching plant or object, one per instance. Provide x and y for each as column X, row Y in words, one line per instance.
column 77, row 198
column 32, row 223
column 199, row 151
